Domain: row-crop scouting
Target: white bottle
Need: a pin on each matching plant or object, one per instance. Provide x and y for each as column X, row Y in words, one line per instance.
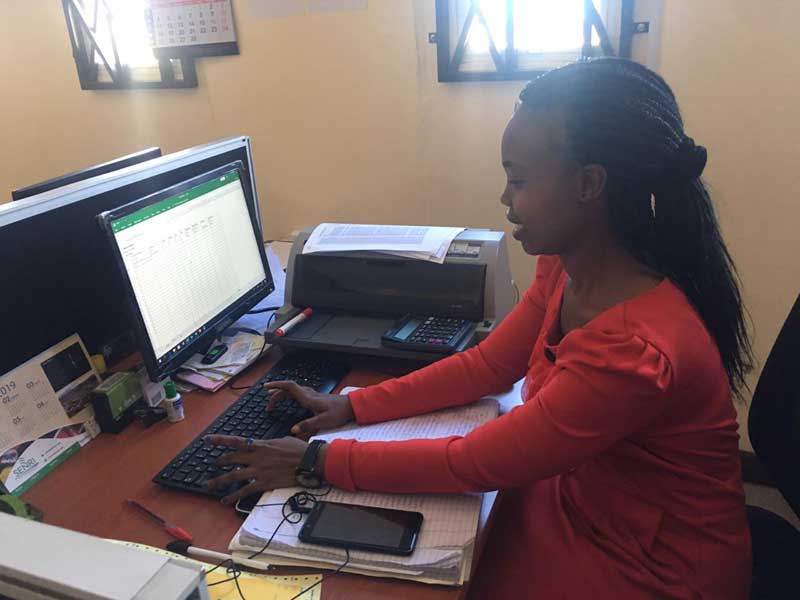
column 173, row 403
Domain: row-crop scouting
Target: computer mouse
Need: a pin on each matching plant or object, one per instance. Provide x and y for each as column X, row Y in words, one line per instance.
column 214, row 353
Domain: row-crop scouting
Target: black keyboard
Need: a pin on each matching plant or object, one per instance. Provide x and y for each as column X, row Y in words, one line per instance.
column 248, row 417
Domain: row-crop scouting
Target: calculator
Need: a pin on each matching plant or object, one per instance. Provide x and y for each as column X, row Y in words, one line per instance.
column 428, row 334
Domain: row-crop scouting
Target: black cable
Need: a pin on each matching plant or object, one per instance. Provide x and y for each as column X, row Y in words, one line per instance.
column 324, row 577
column 296, row 504
column 258, row 311
column 299, row 499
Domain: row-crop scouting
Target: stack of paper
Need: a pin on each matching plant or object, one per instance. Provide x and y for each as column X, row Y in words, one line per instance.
column 444, row 548
column 410, row 241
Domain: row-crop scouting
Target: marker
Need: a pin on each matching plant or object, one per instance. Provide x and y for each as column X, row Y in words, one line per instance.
column 292, row 323
column 179, row 547
column 171, row 529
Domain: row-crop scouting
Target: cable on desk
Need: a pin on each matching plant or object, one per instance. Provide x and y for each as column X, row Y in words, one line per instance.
column 263, row 310
column 297, row 504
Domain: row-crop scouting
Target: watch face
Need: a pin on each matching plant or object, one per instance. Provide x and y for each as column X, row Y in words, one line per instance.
column 307, row 479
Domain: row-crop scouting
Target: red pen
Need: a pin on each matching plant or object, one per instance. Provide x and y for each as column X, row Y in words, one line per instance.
column 171, row 529
column 284, row 329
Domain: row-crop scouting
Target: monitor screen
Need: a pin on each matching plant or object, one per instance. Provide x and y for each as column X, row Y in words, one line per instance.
column 194, row 260
column 65, row 280
column 83, row 174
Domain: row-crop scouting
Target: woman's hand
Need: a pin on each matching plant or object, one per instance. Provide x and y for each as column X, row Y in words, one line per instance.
column 330, row 410
column 264, row 464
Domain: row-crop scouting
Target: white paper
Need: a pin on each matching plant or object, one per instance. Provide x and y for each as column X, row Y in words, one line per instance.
column 443, row 423
column 449, row 525
column 243, row 348
column 450, row 520
column 410, row 241
column 271, row 9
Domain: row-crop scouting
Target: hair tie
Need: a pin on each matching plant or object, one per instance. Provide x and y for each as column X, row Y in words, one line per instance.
column 689, row 161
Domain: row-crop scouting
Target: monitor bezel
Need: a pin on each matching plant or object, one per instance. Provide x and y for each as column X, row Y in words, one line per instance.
column 122, row 162
column 219, row 322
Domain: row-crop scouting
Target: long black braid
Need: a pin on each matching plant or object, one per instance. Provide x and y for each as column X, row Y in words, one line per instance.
column 623, row 116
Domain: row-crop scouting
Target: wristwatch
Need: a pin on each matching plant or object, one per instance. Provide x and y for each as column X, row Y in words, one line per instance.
column 306, row 473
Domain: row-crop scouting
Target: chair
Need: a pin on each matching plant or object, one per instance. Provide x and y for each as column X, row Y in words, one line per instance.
column 774, row 427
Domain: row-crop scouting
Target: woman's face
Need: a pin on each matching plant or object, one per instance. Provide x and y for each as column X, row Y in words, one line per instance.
column 543, row 187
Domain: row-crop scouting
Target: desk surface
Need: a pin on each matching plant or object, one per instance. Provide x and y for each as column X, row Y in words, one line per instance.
column 87, row 493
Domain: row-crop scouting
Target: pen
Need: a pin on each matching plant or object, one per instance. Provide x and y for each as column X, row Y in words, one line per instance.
column 293, row 322
column 184, row 548
column 171, row 529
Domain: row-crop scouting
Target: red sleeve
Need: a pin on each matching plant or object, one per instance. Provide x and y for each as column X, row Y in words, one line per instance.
column 488, row 368
column 606, row 387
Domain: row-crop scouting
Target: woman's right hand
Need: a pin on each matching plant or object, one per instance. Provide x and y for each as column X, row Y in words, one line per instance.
column 330, row 410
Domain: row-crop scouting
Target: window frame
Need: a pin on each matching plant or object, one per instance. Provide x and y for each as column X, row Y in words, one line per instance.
column 85, row 47
column 506, row 68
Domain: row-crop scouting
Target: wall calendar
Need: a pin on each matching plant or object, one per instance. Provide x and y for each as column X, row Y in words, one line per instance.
column 181, row 28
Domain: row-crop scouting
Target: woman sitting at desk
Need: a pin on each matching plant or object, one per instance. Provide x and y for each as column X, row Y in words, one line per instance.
column 620, row 474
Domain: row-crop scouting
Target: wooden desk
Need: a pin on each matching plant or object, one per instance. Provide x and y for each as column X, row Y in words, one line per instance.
column 87, row 493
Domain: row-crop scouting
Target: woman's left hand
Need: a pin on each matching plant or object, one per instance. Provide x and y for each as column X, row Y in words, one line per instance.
column 265, row 464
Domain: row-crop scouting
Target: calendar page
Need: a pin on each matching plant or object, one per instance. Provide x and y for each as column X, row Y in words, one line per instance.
column 45, row 414
column 180, row 23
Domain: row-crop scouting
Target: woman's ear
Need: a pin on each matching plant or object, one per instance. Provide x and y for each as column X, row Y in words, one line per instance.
column 593, row 183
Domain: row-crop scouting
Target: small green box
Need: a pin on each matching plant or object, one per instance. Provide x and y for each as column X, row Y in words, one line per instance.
column 113, row 401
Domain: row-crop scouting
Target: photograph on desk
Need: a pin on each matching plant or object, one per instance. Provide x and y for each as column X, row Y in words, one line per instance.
column 46, row 414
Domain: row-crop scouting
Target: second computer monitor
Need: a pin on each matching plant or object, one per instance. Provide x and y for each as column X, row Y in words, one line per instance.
column 193, row 259
column 88, row 173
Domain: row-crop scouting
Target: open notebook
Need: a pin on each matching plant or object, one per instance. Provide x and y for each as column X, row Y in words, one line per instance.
column 444, row 548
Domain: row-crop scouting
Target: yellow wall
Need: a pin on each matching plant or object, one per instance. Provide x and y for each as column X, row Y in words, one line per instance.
column 348, row 122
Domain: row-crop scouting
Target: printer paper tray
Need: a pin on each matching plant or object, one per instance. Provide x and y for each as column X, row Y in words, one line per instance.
column 354, row 334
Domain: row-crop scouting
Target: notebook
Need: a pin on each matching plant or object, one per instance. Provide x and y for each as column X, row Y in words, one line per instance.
column 444, row 548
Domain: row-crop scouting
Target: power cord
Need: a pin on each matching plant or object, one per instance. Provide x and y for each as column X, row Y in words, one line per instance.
column 293, row 509
column 263, row 310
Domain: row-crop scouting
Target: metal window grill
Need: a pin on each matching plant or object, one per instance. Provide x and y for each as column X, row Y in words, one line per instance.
column 95, row 50
column 452, row 43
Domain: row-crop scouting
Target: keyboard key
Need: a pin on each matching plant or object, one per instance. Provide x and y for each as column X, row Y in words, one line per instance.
column 248, row 417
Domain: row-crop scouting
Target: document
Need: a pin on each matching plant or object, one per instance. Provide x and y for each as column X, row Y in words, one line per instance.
column 410, row 241
column 447, row 537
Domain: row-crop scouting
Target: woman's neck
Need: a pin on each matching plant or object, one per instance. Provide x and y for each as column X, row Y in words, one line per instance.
column 600, row 269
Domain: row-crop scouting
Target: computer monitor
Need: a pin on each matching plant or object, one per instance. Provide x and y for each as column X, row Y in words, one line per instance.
column 56, row 257
column 193, row 261
column 88, row 173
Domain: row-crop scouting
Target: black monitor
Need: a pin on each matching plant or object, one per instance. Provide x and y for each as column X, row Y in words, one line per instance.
column 192, row 260
column 55, row 256
column 83, row 174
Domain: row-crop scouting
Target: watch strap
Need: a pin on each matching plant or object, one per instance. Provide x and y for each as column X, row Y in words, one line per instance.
column 308, row 463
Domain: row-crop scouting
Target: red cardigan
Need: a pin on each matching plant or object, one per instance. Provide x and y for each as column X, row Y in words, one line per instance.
column 620, row 474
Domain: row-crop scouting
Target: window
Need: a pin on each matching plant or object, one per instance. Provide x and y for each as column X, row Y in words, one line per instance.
column 111, row 46
column 490, row 40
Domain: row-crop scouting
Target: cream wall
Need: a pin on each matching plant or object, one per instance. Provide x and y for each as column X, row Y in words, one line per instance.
column 348, row 122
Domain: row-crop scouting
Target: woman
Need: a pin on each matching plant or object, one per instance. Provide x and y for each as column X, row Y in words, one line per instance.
column 619, row 474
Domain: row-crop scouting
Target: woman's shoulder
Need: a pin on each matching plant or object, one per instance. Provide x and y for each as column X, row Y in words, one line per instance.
column 663, row 319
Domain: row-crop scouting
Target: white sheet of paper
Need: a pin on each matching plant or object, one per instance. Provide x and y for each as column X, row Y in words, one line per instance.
column 443, row 423
column 412, row 241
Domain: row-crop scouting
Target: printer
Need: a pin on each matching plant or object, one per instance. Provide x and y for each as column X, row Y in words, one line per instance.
column 356, row 297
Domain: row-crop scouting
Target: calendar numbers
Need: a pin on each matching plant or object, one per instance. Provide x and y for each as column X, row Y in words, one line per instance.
column 190, row 22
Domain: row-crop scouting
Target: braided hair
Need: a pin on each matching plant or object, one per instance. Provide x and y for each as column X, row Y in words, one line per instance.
column 624, row 117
